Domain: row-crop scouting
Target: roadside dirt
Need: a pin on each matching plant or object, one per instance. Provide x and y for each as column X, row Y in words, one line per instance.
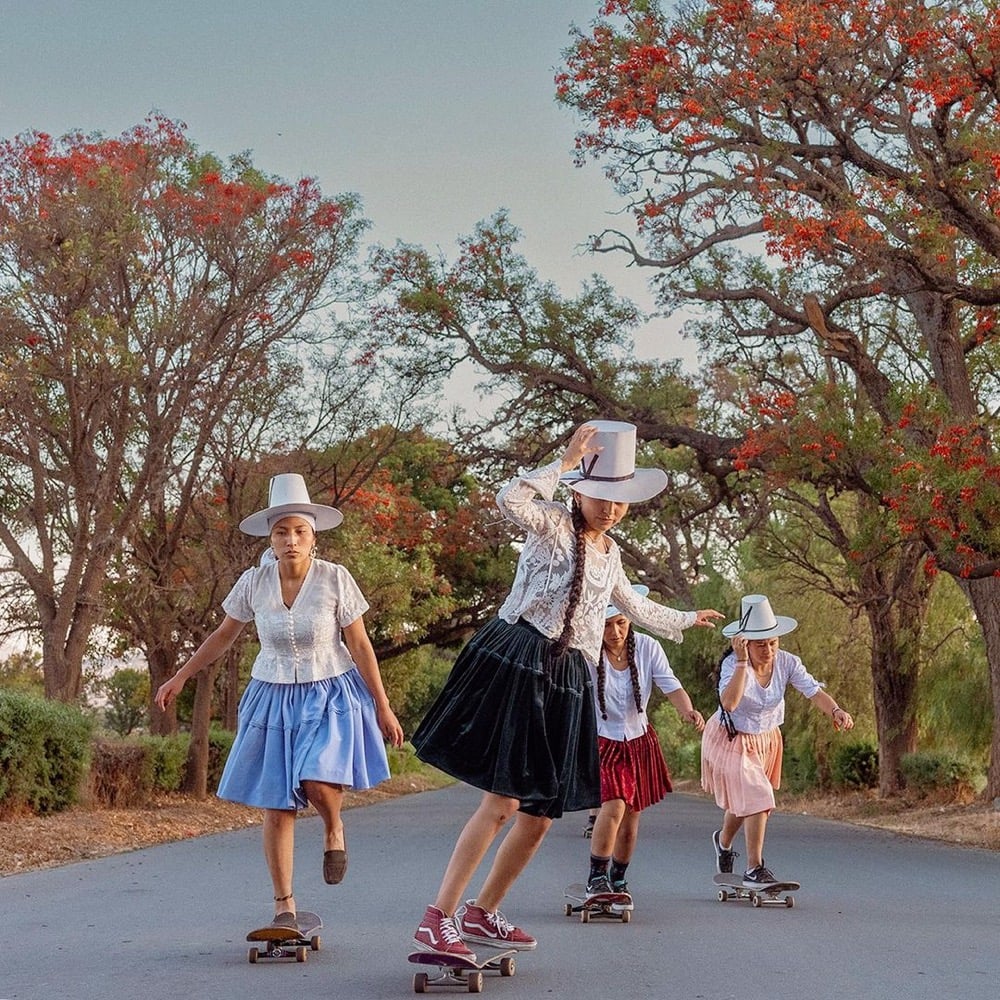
column 29, row 842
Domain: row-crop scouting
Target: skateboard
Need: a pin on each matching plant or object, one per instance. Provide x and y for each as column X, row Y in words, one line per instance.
column 457, row 971
column 768, row 894
column 604, row 904
column 287, row 942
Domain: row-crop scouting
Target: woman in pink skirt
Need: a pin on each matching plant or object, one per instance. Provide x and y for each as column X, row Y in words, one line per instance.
column 634, row 774
column 741, row 746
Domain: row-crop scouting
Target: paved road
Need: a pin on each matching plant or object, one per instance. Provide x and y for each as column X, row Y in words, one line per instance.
column 879, row 916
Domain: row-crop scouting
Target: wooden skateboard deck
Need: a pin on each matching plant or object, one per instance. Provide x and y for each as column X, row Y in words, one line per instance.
column 457, row 971
column 617, row 905
column 767, row 894
column 287, row 942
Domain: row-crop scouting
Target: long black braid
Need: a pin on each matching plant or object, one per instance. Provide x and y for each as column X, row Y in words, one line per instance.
column 633, row 673
column 576, row 585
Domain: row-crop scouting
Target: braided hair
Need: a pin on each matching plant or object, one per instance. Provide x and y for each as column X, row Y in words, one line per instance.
column 576, row 584
column 633, row 673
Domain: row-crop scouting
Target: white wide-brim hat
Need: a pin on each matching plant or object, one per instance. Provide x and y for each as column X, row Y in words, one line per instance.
column 610, row 473
column 758, row 621
column 640, row 588
column 288, row 495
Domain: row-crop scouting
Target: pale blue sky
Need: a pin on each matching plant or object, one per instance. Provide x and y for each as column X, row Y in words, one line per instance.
column 436, row 112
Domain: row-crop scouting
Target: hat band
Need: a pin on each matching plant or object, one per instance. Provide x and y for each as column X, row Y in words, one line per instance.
column 585, row 472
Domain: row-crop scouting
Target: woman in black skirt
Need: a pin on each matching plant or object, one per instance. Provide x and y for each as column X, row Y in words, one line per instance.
column 516, row 716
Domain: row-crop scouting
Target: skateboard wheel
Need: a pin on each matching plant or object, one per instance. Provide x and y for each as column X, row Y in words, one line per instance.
column 789, row 901
column 723, row 895
column 315, row 941
column 252, row 955
column 626, row 916
column 420, row 982
column 585, row 916
column 300, row 953
column 507, row 966
column 754, row 899
column 569, row 909
column 475, row 982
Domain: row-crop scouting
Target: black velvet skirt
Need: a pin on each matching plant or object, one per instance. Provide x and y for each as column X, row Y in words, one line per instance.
column 510, row 720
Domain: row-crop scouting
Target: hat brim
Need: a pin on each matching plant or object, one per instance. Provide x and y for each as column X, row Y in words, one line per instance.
column 643, row 485
column 257, row 524
column 783, row 627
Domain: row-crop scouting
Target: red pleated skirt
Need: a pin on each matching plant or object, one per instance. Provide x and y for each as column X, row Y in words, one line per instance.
column 634, row 770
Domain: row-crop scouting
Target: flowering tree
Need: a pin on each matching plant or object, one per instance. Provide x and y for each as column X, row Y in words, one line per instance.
column 144, row 288
column 850, row 147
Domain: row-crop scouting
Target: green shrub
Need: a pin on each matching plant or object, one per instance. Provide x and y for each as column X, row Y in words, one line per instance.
column 799, row 768
column 43, row 753
column 679, row 740
column 168, row 755
column 929, row 771
column 855, row 765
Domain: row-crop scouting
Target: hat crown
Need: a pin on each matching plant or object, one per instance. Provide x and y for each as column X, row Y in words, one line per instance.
column 756, row 614
column 615, row 461
column 286, row 488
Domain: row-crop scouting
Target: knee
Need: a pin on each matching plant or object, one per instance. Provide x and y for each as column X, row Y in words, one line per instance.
column 496, row 809
column 533, row 828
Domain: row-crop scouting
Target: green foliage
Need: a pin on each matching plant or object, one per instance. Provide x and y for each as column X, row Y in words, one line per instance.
column 44, row 748
column 413, row 681
column 680, row 741
column 800, row 768
column 22, row 671
column 127, row 691
column 167, row 756
column 926, row 772
column 855, row 765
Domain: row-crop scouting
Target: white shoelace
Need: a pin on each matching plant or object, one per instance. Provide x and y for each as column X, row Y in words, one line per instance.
column 503, row 926
column 449, row 931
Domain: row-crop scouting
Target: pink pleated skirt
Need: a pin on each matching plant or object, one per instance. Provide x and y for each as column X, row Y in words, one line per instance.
column 633, row 770
column 741, row 773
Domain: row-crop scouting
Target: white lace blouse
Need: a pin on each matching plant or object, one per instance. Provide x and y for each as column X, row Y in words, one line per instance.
column 624, row 721
column 545, row 571
column 301, row 643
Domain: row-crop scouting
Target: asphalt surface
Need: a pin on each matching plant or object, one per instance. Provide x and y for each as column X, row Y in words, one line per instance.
column 878, row 915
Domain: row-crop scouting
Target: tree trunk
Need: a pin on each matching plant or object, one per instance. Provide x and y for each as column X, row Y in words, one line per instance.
column 196, row 769
column 161, row 663
column 984, row 596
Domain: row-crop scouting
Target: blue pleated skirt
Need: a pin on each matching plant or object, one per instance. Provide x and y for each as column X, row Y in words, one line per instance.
column 289, row 733
column 511, row 721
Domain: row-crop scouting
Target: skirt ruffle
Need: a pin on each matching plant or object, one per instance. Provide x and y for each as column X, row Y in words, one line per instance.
column 741, row 773
column 634, row 770
column 510, row 722
column 324, row 730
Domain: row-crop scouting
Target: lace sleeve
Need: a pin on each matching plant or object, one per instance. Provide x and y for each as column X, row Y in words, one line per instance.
column 527, row 500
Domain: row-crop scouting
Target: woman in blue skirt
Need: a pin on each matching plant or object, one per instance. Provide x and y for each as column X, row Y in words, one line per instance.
column 516, row 716
column 314, row 715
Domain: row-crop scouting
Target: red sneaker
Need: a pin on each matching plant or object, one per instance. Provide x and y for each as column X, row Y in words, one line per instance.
column 439, row 933
column 482, row 927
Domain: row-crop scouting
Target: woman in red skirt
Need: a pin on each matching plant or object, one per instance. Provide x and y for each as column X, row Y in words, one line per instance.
column 634, row 774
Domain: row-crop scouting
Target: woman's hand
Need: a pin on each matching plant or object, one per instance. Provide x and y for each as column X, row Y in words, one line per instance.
column 841, row 719
column 389, row 725
column 579, row 445
column 741, row 648
column 695, row 718
column 168, row 691
column 707, row 617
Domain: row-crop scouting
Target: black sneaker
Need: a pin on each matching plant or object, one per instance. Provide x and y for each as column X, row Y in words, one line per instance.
column 620, row 886
column 599, row 884
column 723, row 858
column 758, row 876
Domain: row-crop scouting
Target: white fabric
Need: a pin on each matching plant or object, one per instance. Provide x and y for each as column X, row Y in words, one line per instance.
column 624, row 721
column 761, row 709
column 545, row 571
column 303, row 642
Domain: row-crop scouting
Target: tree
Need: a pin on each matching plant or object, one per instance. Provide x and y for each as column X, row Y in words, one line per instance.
column 143, row 288
column 854, row 147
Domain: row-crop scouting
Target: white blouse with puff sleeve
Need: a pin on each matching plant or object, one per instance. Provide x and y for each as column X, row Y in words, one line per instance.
column 301, row 643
